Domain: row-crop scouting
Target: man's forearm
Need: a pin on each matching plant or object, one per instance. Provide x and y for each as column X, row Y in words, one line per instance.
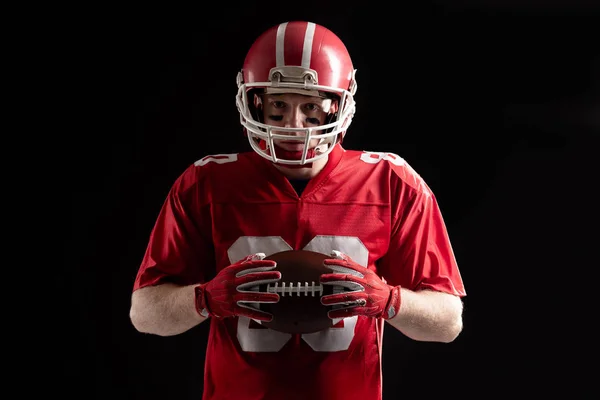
column 164, row 310
column 429, row 316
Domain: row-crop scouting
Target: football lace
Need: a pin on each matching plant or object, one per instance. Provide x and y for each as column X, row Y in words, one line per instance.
column 299, row 289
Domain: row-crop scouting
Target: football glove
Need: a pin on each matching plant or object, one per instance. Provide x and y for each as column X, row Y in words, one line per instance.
column 228, row 293
column 366, row 293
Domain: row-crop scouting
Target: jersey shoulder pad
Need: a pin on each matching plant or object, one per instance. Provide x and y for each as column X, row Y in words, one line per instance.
column 398, row 166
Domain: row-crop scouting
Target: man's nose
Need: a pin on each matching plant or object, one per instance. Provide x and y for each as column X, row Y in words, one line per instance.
column 295, row 119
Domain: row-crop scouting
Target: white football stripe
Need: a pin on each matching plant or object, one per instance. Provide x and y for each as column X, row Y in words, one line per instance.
column 308, row 43
column 306, row 48
column 279, row 58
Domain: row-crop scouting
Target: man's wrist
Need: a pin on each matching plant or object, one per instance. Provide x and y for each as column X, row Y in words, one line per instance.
column 393, row 305
column 200, row 301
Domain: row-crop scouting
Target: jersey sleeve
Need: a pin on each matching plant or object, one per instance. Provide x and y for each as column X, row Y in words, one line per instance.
column 420, row 255
column 180, row 248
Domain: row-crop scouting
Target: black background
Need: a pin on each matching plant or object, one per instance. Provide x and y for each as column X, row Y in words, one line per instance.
column 495, row 104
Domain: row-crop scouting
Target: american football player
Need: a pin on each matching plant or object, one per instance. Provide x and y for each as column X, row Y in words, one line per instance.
column 297, row 187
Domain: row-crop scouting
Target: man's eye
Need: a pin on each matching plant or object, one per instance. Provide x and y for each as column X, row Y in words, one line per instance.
column 278, row 104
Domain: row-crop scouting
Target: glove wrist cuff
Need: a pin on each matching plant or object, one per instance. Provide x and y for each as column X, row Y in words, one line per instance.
column 200, row 301
column 393, row 305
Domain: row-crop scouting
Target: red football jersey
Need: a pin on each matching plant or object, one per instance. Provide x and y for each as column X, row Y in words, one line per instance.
column 369, row 205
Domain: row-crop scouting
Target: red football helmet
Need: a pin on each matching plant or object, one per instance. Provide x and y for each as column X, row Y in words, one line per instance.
column 297, row 57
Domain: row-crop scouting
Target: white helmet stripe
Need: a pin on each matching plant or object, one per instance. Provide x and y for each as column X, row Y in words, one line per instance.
column 306, row 49
column 279, row 59
column 308, row 43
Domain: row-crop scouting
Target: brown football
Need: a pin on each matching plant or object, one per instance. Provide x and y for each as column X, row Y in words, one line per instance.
column 299, row 309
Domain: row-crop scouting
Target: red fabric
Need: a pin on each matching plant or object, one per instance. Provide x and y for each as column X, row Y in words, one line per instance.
column 371, row 206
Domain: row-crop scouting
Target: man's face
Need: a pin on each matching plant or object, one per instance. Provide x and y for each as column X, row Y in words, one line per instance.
column 292, row 110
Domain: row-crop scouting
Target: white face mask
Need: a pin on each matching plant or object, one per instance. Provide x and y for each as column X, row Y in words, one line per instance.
column 261, row 136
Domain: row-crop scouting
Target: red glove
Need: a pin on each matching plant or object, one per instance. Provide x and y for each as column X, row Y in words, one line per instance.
column 227, row 294
column 368, row 294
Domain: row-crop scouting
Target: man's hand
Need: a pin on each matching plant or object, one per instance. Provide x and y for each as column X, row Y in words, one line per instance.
column 368, row 294
column 227, row 294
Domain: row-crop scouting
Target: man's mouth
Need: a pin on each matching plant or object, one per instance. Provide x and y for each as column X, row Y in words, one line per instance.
column 292, row 145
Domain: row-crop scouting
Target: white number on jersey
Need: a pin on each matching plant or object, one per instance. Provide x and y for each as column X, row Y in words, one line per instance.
column 331, row 339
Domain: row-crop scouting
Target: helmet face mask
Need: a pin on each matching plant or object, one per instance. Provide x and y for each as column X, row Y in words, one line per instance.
column 302, row 58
